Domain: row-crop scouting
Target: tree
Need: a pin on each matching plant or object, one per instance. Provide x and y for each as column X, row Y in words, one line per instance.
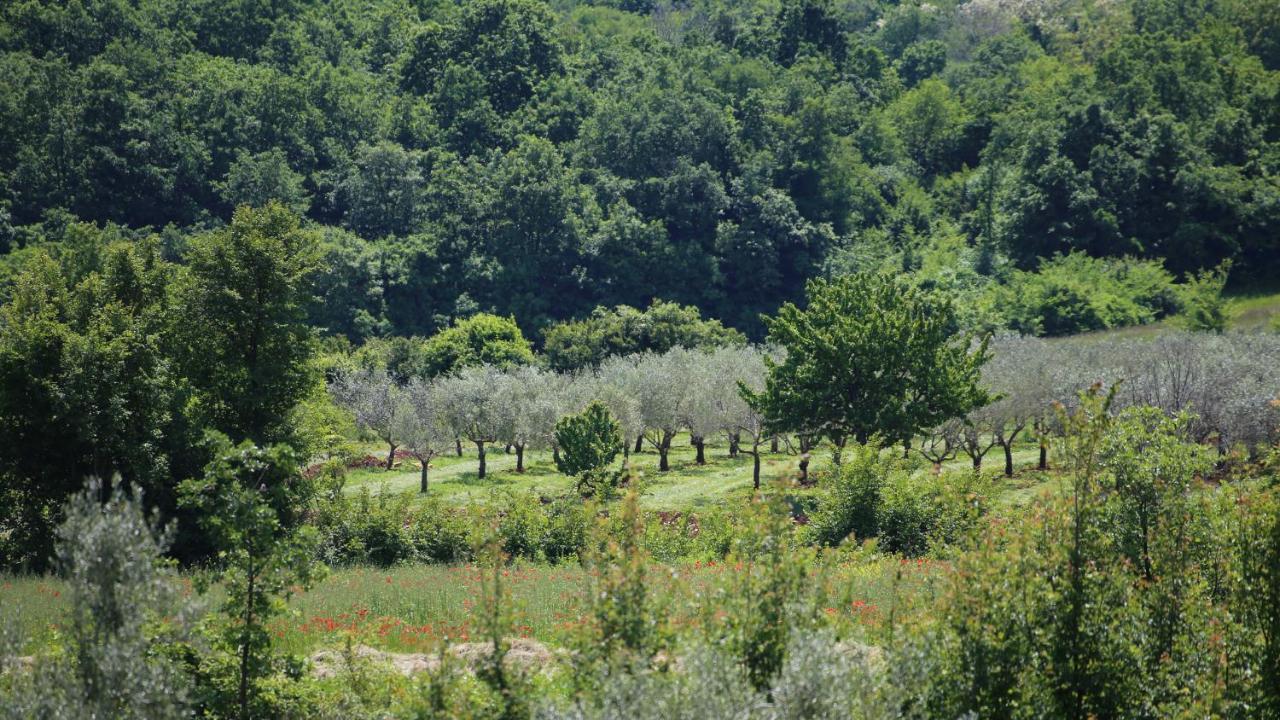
column 478, row 340
column 251, row 500
column 87, row 388
column 244, row 340
column 537, row 399
column 257, row 179
column 377, row 403
column 869, row 356
column 1019, row 374
column 1203, row 305
column 624, row 330
column 588, row 441
column 477, row 410
column 660, row 384
column 421, row 424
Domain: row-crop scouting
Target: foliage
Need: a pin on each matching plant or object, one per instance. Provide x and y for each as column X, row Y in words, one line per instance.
column 588, row 442
column 1203, row 305
column 869, row 357
column 251, row 500
column 242, row 332
column 124, row 608
column 625, row 330
column 1075, row 293
column 478, row 340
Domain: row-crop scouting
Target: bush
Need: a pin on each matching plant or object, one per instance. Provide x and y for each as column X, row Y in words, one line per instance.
column 522, row 526
column 566, row 529
column 589, row 441
column 441, row 534
column 365, row 529
column 850, row 503
column 120, row 592
column 918, row 513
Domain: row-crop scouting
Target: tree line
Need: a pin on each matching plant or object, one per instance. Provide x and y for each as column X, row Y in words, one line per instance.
column 541, row 160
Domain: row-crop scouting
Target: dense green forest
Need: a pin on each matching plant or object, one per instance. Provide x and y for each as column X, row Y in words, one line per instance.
column 538, row 161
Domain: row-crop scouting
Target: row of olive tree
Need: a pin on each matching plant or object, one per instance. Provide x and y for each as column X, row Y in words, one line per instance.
column 1230, row 383
column 653, row 396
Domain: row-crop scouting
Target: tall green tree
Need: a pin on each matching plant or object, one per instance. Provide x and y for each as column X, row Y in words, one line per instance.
column 868, row 356
column 242, row 322
column 481, row 339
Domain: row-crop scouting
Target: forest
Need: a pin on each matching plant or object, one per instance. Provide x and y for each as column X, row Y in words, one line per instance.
column 595, row 359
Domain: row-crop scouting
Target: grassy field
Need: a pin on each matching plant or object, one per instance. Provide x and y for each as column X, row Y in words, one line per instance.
column 687, row 486
column 414, row 607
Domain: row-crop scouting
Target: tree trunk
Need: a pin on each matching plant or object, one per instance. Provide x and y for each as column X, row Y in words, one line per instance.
column 663, row 465
column 804, row 469
column 391, row 456
column 480, row 453
column 734, row 445
column 519, row 457
column 423, row 483
column 773, row 444
column 700, row 444
column 1008, row 458
column 906, row 449
column 755, row 469
column 639, row 443
column 251, row 576
column 1044, row 455
column 459, row 446
column 507, row 449
column 977, row 461
column 555, row 456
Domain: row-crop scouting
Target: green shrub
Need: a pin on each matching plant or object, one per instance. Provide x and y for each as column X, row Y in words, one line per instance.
column 589, row 442
column 365, row 529
column 850, row 501
column 920, row 512
column 521, row 526
column 566, row 529
column 440, row 533
column 1076, row 293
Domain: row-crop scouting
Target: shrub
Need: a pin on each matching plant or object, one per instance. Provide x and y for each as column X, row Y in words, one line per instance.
column 589, row 442
column 566, row 529
column 120, row 592
column 920, row 512
column 440, row 533
column 850, row 503
column 365, row 529
column 521, row 526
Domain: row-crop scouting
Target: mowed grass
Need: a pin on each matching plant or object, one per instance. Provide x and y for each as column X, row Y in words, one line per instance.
column 687, row 486
column 415, row 608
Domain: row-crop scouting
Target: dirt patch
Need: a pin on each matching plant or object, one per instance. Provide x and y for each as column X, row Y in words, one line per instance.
column 525, row 654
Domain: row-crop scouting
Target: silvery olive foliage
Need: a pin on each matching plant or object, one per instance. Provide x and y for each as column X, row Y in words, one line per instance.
column 476, row 409
column 118, row 589
column 375, row 400
column 422, row 424
column 821, row 679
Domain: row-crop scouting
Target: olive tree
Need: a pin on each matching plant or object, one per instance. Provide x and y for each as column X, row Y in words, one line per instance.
column 615, row 385
column 660, row 383
column 476, row 409
column 1019, row 376
column 423, row 424
column 375, row 400
column 535, row 399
